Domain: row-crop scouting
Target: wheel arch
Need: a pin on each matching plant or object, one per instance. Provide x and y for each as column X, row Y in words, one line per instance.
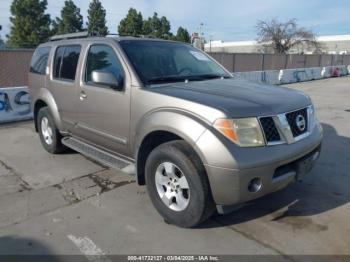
column 155, row 130
column 45, row 99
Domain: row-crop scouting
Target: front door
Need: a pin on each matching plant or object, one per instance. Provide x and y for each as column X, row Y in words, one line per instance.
column 103, row 112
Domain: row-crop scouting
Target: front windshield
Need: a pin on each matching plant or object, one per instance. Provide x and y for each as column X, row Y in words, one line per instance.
column 164, row 62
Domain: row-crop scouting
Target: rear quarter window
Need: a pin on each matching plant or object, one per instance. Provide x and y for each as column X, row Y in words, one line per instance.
column 39, row 60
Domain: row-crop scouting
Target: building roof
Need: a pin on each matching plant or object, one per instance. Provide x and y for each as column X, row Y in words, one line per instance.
column 327, row 38
column 330, row 38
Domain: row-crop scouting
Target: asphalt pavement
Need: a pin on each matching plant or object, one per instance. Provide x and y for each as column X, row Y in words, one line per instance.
column 67, row 204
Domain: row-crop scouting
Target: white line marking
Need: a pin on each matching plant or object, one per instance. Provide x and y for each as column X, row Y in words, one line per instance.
column 86, row 246
column 130, row 170
column 131, row 228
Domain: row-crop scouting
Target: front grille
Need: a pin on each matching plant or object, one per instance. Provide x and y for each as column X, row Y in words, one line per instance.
column 292, row 119
column 270, row 130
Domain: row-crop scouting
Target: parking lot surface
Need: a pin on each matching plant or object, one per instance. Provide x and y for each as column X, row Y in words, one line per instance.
column 67, row 204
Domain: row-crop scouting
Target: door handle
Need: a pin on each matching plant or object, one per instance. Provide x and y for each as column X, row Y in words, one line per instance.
column 83, row 95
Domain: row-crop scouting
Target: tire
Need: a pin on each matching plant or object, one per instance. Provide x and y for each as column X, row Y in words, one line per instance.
column 50, row 136
column 184, row 207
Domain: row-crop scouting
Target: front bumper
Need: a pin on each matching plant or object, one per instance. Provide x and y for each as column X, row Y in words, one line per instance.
column 275, row 166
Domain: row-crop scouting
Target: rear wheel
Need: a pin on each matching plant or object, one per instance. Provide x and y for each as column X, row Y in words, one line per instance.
column 50, row 136
column 178, row 185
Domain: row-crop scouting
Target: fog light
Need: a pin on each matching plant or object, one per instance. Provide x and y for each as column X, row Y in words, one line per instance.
column 255, row 185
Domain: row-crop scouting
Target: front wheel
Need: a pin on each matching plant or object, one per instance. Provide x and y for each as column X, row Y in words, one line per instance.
column 178, row 185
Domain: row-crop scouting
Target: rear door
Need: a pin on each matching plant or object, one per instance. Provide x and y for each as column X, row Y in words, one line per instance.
column 103, row 112
column 64, row 83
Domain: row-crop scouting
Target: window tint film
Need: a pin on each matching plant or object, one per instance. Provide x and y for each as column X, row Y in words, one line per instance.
column 66, row 61
column 58, row 62
column 39, row 60
column 70, row 62
column 102, row 57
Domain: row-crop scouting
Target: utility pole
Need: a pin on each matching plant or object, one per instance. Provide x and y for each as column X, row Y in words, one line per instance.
column 210, row 39
column 201, row 35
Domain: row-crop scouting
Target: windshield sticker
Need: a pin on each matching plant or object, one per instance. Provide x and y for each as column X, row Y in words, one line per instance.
column 199, row 56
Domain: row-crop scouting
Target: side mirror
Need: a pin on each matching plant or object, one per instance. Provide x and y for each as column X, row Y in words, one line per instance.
column 106, row 79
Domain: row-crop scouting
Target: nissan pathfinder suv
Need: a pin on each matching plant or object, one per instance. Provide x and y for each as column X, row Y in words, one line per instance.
column 199, row 139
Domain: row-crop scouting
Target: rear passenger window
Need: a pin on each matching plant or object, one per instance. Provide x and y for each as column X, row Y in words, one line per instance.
column 66, row 61
column 58, row 62
column 39, row 60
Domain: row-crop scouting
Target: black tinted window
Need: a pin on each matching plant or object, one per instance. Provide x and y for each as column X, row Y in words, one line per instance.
column 58, row 62
column 39, row 60
column 103, row 58
column 66, row 61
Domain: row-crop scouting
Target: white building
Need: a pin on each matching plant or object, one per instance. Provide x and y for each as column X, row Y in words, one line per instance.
column 334, row 44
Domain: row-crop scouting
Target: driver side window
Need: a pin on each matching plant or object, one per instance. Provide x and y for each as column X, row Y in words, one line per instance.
column 103, row 58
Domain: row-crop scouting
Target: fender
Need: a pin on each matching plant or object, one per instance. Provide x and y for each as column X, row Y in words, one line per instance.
column 195, row 130
column 45, row 95
column 179, row 122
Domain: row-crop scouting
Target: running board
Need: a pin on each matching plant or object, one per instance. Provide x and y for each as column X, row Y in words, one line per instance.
column 99, row 155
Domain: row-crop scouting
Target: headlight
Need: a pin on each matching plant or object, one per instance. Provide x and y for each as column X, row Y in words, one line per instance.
column 245, row 132
column 313, row 117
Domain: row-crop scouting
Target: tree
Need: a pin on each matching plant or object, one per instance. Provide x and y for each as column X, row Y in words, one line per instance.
column 97, row 18
column 71, row 20
column 157, row 27
column 282, row 37
column 30, row 25
column 182, row 35
column 2, row 44
column 131, row 24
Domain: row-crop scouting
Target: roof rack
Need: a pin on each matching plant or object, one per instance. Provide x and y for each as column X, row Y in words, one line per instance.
column 84, row 34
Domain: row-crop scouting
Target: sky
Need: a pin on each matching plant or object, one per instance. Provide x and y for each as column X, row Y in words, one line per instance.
column 227, row 20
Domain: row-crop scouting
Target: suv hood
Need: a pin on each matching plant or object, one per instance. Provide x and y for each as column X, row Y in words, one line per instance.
column 237, row 98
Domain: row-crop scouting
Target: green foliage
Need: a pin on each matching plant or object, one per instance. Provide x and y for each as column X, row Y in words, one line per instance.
column 97, row 18
column 2, row 44
column 157, row 27
column 131, row 24
column 182, row 35
column 30, row 25
column 71, row 20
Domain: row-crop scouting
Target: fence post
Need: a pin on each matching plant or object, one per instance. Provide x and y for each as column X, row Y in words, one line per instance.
column 263, row 63
column 332, row 60
column 319, row 60
column 234, row 63
column 285, row 61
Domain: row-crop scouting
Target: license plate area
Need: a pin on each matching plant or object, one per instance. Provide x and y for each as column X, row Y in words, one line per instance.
column 300, row 167
column 304, row 165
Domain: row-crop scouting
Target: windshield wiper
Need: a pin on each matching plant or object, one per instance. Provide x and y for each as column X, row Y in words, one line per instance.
column 207, row 76
column 180, row 78
column 166, row 79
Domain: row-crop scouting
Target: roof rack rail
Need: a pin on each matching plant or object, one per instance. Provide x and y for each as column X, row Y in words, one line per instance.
column 84, row 34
